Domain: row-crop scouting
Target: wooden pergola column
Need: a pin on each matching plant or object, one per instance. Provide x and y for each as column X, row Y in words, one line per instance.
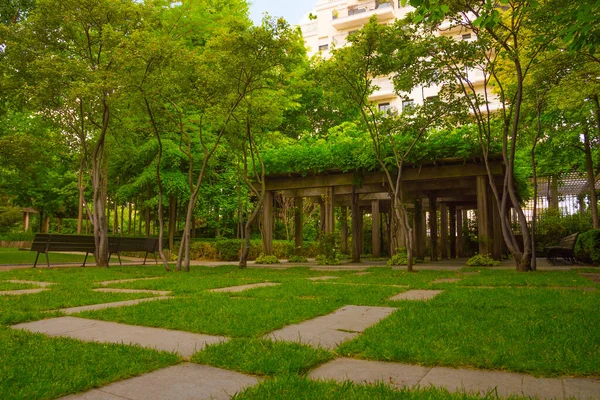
column 444, row 230
column 267, row 231
column 460, row 244
column 483, row 216
column 356, row 219
column 344, row 233
column 452, row 231
column 419, row 231
column 298, row 225
column 433, row 227
column 329, row 210
column 375, row 229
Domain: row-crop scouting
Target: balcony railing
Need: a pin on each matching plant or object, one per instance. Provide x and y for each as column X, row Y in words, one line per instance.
column 310, row 28
column 362, row 8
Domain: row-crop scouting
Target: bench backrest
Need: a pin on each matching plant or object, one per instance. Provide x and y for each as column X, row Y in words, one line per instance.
column 149, row 245
column 71, row 243
column 569, row 241
column 40, row 242
column 51, row 242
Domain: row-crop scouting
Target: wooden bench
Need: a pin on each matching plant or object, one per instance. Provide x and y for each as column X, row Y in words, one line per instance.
column 564, row 249
column 44, row 243
column 136, row 245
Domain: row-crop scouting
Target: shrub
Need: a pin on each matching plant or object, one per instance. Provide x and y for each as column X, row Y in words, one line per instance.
column 262, row 259
column 400, row 258
column 328, row 250
column 479, row 260
column 297, row 259
column 553, row 226
column 587, row 248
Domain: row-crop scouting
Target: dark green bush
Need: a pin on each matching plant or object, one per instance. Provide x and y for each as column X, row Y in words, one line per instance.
column 479, row 260
column 553, row 226
column 262, row 259
column 587, row 248
column 328, row 250
column 229, row 249
column 400, row 258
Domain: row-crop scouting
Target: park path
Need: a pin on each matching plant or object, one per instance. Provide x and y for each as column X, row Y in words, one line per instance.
column 180, row 382
column 187, row 381
column 482, row 382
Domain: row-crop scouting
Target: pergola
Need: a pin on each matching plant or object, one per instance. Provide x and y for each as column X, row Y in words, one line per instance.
column 450, row 186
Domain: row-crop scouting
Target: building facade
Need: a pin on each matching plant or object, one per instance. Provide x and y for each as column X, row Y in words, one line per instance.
column 336, row 19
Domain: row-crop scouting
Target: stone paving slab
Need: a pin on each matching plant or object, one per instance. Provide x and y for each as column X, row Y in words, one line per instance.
column 241, row 288
column 330, row 330
column 37, row 283
column 115, row 290
column 482, row 382
column 447, row 280
column 368, row 372
column 75, row 310
column 322, row 278
column 106, row 283
column 89, row 330
column 21, row 292
column 416, row 295
column 180, row 382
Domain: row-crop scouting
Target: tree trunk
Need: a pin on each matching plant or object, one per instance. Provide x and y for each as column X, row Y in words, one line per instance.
column 589, row 166
column 172, row 221
column 130, row 206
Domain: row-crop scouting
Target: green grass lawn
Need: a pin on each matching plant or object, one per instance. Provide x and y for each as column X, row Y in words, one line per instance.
column 519, row 322
column 33, row 366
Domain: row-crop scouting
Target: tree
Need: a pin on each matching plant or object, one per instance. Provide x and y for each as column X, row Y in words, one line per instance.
column 66, row 55
column 350, row 73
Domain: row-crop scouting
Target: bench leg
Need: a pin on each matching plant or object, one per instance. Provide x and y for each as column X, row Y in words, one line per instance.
column 36, row 259
column 47, row 259
column 85, row 259
column 119, row 256
column 145, row 256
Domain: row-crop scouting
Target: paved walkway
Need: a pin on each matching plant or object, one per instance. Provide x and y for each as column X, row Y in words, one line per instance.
column 477, row 381
column 330, row 330
column 137, row 291
column 75, row 310
column 89, row 330
column 19, row 292
column 241, row 288
column 180, row 382
column 416, row 295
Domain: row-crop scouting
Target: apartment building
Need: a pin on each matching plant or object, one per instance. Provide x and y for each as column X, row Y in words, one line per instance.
column 336, row 19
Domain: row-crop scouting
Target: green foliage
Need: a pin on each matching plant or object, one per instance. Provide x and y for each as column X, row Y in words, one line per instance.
column 587, row 248
column 328, row 250
column 400, row 258
column 347, row 147
column 553, row 226
column 479, row 260
column 229, row 249
column 297, row 259
column 266, row 259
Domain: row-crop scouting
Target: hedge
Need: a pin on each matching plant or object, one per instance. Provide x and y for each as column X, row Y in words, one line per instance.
column 587, row 248
column 229, row 249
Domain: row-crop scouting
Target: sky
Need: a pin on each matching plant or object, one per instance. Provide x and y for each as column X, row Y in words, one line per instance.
column 292, row 10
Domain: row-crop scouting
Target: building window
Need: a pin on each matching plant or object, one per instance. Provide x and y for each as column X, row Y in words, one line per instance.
column 383, row 107
column 407, row 104
column 466, row 36
column 324, row 47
